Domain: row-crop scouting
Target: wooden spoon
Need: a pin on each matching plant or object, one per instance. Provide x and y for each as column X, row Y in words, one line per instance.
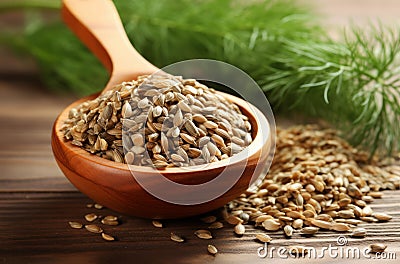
column 109, row 183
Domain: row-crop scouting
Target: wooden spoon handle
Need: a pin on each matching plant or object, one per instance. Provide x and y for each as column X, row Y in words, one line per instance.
column 97, row 24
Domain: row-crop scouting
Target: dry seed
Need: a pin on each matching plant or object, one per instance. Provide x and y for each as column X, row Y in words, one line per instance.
column 90, row 217
column 298, row 223
column 239, row 229
column 309, row 230
column 212, row 249
column 209, row 219
column 271, row 225
column 216, row 225
column 369, row 219
column 109, row 222
column 89, row 205
column 378, row 247
column 382, row 216
column 359, row 232
column 263, row 237
column 367, row 211
column 288, row 230
column 107, row 237
column 203, row 234
column 321, row 224
column 157, row 223
column 98, row 206
column 340, row 227
column 375, row 194
column 93, row 228
column 75, row 225
column 176, row 238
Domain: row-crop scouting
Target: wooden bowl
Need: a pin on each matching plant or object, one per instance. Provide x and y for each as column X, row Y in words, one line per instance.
column 112, row 184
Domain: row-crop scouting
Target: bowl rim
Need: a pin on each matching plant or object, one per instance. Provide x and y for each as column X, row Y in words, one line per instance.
column 253, row 148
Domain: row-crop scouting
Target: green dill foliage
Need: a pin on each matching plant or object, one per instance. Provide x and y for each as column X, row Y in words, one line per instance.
column 353, row 83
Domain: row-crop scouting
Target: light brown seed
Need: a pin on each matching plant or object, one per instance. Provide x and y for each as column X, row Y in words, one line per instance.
column 203, row 234
column 212, row 249
column 234, row 220
column 271, row 225
column 157, row 223
column 288, row 230
column 240, row 229
column 321, row 224
column 90, row 217
column 309, row 230
column 176, row 238
column 382, row 216
column 107, row 237
column 109, row 222
column 93, row 228
column 263, row 237
column 75, row 225
column 297, row 223
column 359, row 232
column 378, row 247
column 376, row 194
column 98, row 206
column 340, row 227
column 216, row 225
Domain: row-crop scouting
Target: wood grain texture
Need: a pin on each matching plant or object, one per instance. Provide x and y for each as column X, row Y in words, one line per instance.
column 34, row 227
column 37, row 201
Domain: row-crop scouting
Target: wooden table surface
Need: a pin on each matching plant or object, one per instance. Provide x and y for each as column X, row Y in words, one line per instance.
column 37, row 201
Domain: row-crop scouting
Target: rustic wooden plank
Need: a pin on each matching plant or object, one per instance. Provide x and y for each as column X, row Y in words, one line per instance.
column 34, row 226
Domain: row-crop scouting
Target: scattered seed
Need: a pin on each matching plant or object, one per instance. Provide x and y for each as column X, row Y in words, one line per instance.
column 107, row 237
column 93, row 228
column 75, row 225
column 203, row 234
column 240, row 229
column 340, row 227
column 209, row 219
column 288, row 230
column 212, row 249
column 216, row 225
column 90, row 217
column 382, row 216
column 378, row 247
column 157, row 223
column 263, row 237
column 359, row 232
column 176, row 238
column 309, row 230
column 98, row 206
column 109, row 222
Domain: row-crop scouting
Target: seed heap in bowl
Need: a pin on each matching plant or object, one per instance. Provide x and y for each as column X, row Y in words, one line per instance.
column 160, row 121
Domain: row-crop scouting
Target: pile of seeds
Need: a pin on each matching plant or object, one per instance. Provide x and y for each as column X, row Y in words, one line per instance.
column 160, row 121
column 317, row 181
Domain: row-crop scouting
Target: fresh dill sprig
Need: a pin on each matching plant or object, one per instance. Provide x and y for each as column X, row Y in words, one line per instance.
column 353, row 83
